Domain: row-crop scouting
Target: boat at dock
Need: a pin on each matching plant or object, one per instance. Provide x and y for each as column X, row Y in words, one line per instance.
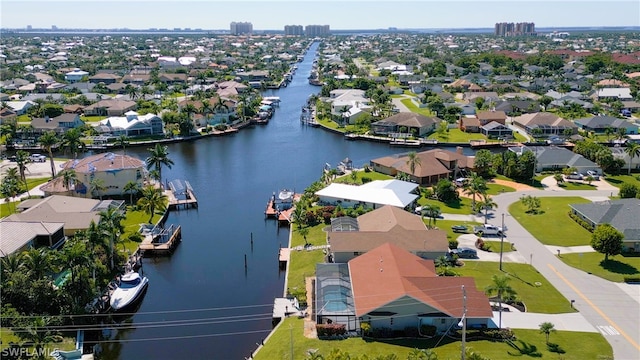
column 129, row 290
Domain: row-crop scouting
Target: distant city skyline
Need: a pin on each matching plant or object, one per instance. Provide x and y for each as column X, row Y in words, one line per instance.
column 347, row 15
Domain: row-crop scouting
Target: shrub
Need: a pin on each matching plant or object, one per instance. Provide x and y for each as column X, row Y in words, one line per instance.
column 628, row 191
column 632, row 279
column 580, row 221
column 366, row 179
column 500, row 334
column 328, row 330
column 453, row 244
column 427, row 330
column 411, row 331
column 365, row 327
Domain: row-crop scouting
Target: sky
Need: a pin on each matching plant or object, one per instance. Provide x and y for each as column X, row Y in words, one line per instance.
column 338, row 14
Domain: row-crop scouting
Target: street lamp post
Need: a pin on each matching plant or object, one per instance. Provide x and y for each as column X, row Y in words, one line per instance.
column 501, row 241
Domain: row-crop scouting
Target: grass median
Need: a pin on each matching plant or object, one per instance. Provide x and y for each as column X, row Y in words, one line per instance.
column 615, row 269
column 559, row 229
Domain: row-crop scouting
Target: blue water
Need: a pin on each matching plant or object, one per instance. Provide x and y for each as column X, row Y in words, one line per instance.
column 201, row 302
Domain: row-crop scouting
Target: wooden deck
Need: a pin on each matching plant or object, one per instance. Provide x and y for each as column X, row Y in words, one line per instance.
column 283, row 257
column 175, row 203
column 156, row 245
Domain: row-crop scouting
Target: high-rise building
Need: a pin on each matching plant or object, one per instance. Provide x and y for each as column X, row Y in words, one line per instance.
column 240, row 28
column 316, row 30
column 295, row 30
column 518, row 29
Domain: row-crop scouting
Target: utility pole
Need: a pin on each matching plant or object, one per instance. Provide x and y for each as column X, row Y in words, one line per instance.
column 463, row 356
column 501, row 241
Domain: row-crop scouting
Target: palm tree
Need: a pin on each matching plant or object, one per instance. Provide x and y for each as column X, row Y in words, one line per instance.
column 131, row 188
column 412, row 161
column 75, row 257
column 10, row 264
column 633, row 150
column 69, row 177
column 22, row 158
column 122, row 140
column 48, row 140
column 487, row 204
column 547, row 328
column 111, row 225
column 71, row 141
column 97, row 185
column 475, row 185
column 159, row 156
column 152, row 199
column 502, row 289
column 132, row 92
column 37, row 334
column 304, row 232
column 37, row 263
column 10, row 185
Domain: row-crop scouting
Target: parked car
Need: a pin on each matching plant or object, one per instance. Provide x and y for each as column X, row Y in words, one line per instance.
column 487, row 229
column 460, row 182
column 465, row 253
column 574, row 176
column 459, row 228
column 594, row 175
column 37, row 158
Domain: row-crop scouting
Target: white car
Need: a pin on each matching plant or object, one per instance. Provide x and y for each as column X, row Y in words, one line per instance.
column 37, row 158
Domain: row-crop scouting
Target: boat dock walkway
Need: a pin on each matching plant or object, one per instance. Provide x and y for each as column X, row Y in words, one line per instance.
column 163, row 243
column 179, row 192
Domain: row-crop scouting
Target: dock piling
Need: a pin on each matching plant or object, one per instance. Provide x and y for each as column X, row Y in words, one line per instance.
column 245, row 261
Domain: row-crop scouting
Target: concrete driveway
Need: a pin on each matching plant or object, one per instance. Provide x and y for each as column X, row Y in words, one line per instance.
column 550, row 184
column 469, row 240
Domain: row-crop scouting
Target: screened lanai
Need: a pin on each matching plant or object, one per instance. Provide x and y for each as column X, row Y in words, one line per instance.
column 333, row 297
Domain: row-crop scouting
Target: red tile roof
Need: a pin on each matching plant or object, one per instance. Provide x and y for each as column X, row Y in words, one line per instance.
column 388, row 273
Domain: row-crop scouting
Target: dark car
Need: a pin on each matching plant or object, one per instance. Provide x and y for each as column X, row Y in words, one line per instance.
column 465, row 253
column 459, row 228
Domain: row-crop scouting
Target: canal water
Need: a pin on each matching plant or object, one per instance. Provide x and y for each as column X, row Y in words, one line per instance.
column 202, row 303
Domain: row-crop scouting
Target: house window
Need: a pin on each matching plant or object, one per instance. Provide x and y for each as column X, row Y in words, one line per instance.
column 138, row 174
column 391, row 321
column 442, row 321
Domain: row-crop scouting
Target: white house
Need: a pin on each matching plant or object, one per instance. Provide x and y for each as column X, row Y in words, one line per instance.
column 75, row 75
column 20, row 107
column 132, row 124
column 372, row 195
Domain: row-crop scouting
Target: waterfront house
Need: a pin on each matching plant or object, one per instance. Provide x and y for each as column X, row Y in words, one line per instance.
column 373, row 194
column 18, row 236
column 599, row 125
column 434, row 165
column 60, row 124
column 110, row 107
column 494, row 130
column 469, row 124
column 557, row 158
column 392, row 289
column 546, row 123
column 407, row 123
column 485, row 117
column 351, row 237
column 75, row 75
column 622, row 214
column 115, row 170
column 132, row 125
column 75, row 213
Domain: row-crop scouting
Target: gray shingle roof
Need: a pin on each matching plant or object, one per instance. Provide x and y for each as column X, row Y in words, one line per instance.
column 623, row 214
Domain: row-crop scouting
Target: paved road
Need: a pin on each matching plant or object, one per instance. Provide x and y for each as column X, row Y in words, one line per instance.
column 397, row 102
column 611, row 308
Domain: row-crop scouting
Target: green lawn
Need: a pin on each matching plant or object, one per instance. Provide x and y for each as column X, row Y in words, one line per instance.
column 495, row 189
column 92, row 119
column 132, row 224
column 457, row 136
column 577, row 345
column 373, row 175
column 316, row 235
column 524, row 279
column 68, row 341
column 576, row 185
column 559, row 229
column 33, row 182
column 460, row 206
column 302, row 264
column 617, row 180
column 614, row 270
column 414, row 108
column 495, row 246
column 445, row 225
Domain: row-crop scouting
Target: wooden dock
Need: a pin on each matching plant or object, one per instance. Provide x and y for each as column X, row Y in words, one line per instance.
column 175, row 203
column 163, row 243
column 283, row 257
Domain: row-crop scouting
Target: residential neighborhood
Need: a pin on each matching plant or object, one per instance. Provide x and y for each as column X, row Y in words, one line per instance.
column 488, row 195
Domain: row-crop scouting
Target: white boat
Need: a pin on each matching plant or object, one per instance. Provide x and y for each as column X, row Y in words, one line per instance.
column 131, row 286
